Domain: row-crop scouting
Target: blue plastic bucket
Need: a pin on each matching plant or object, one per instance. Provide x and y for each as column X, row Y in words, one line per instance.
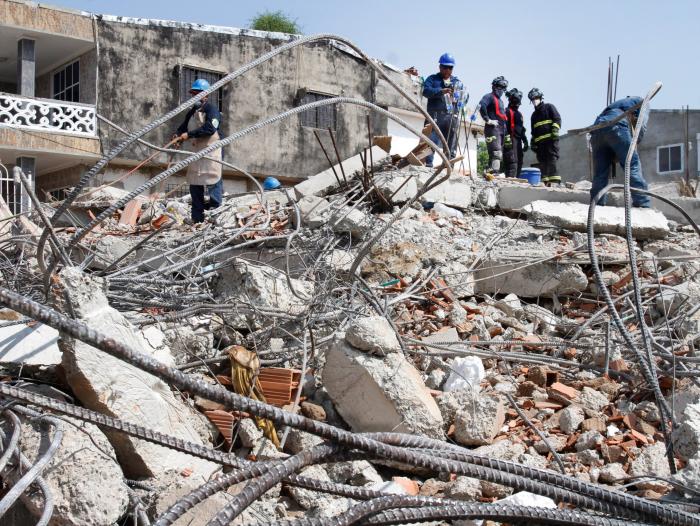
column 533, row 175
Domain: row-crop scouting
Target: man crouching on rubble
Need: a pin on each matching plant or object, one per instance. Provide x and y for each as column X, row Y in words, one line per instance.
column 204, row 131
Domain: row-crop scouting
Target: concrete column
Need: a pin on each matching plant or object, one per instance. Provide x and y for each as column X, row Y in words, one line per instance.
column 26, row 66
column 28, row 166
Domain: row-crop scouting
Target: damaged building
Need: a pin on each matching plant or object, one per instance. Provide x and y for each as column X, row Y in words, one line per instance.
column 376, row 342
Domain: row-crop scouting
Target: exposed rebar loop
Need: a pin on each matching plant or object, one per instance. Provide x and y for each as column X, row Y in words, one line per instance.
column 624, row 505
column 434, row 508
column 40, row 482
column 14, row 437
column 86, row 177
column 37, row 468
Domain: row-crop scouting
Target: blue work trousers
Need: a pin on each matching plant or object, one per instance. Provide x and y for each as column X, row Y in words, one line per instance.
column 449, row 125
column 215, row 192
column 613, row 143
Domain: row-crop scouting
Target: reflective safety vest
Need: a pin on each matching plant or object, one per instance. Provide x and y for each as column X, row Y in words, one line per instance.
column 546, row 123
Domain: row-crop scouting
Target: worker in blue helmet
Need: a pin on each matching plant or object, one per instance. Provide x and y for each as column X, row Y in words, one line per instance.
column 271, row 183
column 202, row 127
column 443, row 91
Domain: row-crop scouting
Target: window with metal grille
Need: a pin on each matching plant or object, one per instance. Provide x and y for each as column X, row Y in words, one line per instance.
column 59, row 194
column 176, row 190
column 188, row 75
column 66, row 83
column 669, row 158
column 323, row 117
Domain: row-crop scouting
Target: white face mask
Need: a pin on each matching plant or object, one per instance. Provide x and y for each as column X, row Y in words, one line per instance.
column 537, row 102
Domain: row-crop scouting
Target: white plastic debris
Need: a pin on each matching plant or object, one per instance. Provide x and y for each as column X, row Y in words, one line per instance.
column 523, row 498
column 467, row 373
column 448, row 211
column 612, row 430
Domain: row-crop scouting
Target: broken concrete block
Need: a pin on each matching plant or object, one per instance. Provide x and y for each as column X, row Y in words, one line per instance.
column 593, row 400
column 248, row 432
column 83, row 463
column 401, row 187
column 686, row 437
column 314, row 211
column 612, row 473
column 456, row 192
column 539, row 279
column 514, row 197
column 263, row 287
column 464, row 488
column 647, row 223
column 511, row 305
column 571, row 418
column 458, row 278
column 113, row 387
column 589, row 440
column 356, row 473
column 380, row 394
column 298, row 440
column 351, row 221
column 651, row 461
column 372, row 334
column 319, row 504
column 29, row 344
column 479, row 422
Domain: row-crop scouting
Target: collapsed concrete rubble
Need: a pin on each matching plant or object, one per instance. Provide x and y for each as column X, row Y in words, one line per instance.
column 367, row 351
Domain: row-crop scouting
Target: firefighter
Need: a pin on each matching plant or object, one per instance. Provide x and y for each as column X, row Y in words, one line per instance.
column 440, row 88
column 613, row 142
column 201, row 126
column 492, row 111
column 545, row 125
column 515, row 143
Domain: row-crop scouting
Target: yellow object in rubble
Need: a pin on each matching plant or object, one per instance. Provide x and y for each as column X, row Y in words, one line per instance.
column 245, row 367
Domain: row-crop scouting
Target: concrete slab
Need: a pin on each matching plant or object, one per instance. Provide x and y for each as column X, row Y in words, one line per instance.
column 646, row 223
column 515, row 196
column 35, row 344
column 324, row 181
column 690, row 205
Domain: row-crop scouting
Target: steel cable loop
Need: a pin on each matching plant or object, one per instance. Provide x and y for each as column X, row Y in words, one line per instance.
column 14, row 438
column 80, row 234
column 457, row 510
column 257, row 487
column 231, row 400
column 35, row 471
column 497, row 512
column 132, row 137
column 667, row 414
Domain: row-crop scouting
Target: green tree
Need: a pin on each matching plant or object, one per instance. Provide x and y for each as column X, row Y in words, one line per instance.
column 277, row 21
column 482, row 157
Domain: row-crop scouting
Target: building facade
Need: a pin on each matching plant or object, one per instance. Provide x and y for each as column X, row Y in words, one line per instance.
column 64, row 70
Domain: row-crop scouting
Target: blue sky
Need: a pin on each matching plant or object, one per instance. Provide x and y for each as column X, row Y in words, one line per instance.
column 562, row 47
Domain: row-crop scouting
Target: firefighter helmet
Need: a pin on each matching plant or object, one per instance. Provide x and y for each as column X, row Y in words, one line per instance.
column 535, row 93
column 499, row 82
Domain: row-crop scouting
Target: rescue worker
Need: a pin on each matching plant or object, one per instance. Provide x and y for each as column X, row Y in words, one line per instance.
column 545, row 125
column 492, row 111
column 516, row 137
column 613, row 142
column 203, row 130
column 440, row 88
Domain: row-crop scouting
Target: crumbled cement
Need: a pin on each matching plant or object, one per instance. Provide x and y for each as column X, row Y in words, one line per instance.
column 380, row 394
column 686, row 437
column 372, row 334
column 613, row 472
column 531, row 281
column 479, row 422
column 651, row 461
column 464, row 488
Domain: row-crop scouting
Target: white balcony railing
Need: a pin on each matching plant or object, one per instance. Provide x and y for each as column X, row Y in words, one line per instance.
column 47, row 115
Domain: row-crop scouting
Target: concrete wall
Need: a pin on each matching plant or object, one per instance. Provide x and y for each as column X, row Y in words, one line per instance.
column 139, row 68
column 45, row 19
column 666, row 127
column 88, row 72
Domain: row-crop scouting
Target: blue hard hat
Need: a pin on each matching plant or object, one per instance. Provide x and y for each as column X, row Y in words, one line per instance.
column 200, row 85
column 446, row 59
column 270, row 183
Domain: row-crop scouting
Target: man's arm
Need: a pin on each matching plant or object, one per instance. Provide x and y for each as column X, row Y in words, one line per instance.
column 483, row 105
column 183, row 127
column 211, row 123
column 432, row 87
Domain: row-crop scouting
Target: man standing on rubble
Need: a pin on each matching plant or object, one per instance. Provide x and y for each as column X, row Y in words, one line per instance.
column 613, row 142
column 203, row 130
column 516, row 138
column 492, row 111
column 545, row 122
column 441, row 89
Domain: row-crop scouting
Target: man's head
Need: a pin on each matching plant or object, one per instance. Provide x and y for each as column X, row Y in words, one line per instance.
column 199, row 86
column 535, row 96
column 447, row 64
column 499, row 85
column 515, row 97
